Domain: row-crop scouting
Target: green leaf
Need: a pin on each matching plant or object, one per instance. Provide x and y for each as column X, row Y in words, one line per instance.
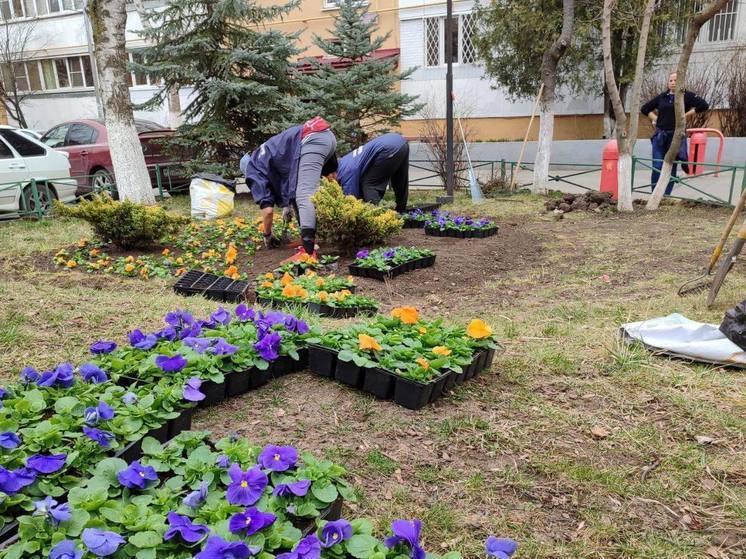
column 146, row 554
column 325, row 494
column 146, row 539
column 361, row 546
column 108, row 469
column 346, row 355
column 151, row 446
column 362, row 526
column 66, row 404
column 77, row 522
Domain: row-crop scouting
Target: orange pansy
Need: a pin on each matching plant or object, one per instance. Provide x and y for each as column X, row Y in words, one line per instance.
column 422, row 362
column 478, row 329
column 367, row 342
column 287, row 279
column 408, row 315
column 441, row 350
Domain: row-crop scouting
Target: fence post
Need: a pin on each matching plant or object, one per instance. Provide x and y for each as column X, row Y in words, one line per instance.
column 632, row 176
column 37, row 203
column 158, row 181
column 502, row 170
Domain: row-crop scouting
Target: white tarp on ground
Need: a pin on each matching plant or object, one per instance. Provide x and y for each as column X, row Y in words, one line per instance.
column 679, row 336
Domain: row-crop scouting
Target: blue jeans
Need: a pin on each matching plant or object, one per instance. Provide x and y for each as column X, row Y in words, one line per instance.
column 661, row 141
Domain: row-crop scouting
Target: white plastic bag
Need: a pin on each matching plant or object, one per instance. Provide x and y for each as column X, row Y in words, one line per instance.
column 210, row 200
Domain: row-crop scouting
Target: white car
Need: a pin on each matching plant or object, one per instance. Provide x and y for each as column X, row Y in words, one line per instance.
column 23, row 159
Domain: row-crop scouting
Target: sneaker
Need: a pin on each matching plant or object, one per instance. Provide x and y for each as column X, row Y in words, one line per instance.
column 300, row 256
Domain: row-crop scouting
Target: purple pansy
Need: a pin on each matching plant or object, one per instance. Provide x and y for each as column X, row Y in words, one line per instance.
column 129, row 398
column 29, row 375
column 179, row 318
column 191, row 391
column 407, row 532
column 307, row 548
column 501, row 548
column 222, row 347
column 101, row 543
column 168, row 333
column 278, row 458
column 362, row 253
column 46, row 463
column 223, row 461
column 183, row 525
column 3, row 393
column 170, row 364
column 9, row 440
column 197, row 497
column 103, row 438
column 66, row 549
column 389, row 254
column 250, row 521
column 12, row 482
column 103, row 346
column 62, row 375
column 102, row 412
column 137, row 476
column 335, row 531
column 459, row 220
column 92, row 373
column 221, row 316
column 247, row 487
column 49, row 507
column 298, row 488
column 218, row 548
column 245, row 313
column 140, row 340
column 269, row 346
column 199, row 345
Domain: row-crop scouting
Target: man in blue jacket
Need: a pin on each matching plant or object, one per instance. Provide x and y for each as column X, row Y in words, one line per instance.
column 366, row 171
column 285, row 171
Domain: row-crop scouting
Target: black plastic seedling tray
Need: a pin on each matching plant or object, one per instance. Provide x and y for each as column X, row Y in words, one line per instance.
column 381, row 275
column 471, row 234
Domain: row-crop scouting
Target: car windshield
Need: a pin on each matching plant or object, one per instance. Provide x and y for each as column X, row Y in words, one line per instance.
column 147, row 126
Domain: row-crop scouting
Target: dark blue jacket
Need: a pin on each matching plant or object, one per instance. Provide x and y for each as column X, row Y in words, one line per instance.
column 271, row 170
column 354, row 164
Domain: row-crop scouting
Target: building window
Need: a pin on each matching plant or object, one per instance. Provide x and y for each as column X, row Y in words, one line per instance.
column 723, row 24
column 138, row 78
column 51, row 74
column 462, row 40
column 722, row 27
column 17, row 9
column 331, row 4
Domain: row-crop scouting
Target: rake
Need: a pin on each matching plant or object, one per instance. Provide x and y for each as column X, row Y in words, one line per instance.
column 702, row 282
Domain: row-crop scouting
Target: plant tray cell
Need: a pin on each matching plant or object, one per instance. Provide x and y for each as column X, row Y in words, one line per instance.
column 412, row 395
column 413, row 224
column 321, row 360
column 332, row 512
column 451, row 381
column 132, row 451
column 361, row 271
column 473, row 234
column 238, row 382
column 350, row 374
column 236, row 292
column 439, row 386
column 281, row 366
column 259, row 377
column 8, row 533
column 185, row 283
column 159, row 433
column 181, row 423
column 214, row 393
column 216, row 291
column 379, row 383
column 302, row 362
column 204, row 283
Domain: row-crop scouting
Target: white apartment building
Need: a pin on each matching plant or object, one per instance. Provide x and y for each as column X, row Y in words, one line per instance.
column 491, row 115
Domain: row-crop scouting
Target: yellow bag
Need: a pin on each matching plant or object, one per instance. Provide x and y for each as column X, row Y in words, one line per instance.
column 210, row 199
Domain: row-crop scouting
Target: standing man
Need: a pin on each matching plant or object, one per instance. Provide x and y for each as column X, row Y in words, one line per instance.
column 366, row 171
column 285, row 171
column 660, row 110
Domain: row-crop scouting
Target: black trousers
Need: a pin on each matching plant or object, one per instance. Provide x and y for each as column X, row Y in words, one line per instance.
column 380, row 172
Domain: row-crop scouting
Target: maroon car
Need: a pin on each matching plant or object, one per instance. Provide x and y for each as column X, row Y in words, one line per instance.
column 86, row 141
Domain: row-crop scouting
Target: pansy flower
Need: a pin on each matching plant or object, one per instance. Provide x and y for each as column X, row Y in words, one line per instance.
column 12, row 481
column 92, row 373
column 137, row 476
column 478, row 330
column 49, row 507
column 191, row 391
column 297, row 488
column 102, row 347
column 246, row 487
column 250, row 521
column 278, row 458
column 500, row 548
column 199, row 345
column 102, row 412
column 9, row 440
column 183, row 525
column 143, row 341
column 245, row 313
column 197, row 497
column 101, row 543
column 222, row 347
column 307, row 548
column 334, row 532
column 407, row 533
column 223, row 461
column 170, row 364
column 218, row 548
column 46, row 463
column 129, row 398
column 29, row 375
column 221, row 316
column 179, row 318
column 269, row 346
column 66, row 549
column 61, row 375
column 103, row 438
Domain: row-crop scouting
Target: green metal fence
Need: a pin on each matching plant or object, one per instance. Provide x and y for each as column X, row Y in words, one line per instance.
column 32, row 198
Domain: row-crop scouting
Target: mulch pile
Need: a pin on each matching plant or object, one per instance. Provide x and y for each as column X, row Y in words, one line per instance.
column 588, row 201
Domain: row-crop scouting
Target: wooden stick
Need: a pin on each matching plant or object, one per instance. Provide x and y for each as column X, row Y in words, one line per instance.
column 525, row 139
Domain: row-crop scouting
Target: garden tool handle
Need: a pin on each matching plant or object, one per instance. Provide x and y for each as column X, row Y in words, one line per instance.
column 726, row 232
column 726, row 264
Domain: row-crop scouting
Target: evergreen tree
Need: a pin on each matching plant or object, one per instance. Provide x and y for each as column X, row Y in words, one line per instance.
column 360, row 100
column 239, row 71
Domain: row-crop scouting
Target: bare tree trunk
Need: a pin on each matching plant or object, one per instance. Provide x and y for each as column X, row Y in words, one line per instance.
column 626, row 130
column 108, row 20
column 699, row 19
column 549, row 76
column 174, row 102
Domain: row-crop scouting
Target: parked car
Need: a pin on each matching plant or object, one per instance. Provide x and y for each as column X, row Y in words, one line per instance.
column 30, row 133
column 22, row 159
column 86, row 141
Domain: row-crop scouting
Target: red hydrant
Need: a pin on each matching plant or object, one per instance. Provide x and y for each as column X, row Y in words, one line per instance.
column 609, row 174
column 697, row 148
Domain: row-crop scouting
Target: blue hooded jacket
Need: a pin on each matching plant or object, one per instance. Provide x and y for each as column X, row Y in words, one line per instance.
column 271, row 170
column 354, row 164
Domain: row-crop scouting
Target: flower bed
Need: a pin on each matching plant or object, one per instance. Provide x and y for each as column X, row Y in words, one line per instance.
column 442, row 224
column 330, row 295
column 403, row 357
column 389, row 262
